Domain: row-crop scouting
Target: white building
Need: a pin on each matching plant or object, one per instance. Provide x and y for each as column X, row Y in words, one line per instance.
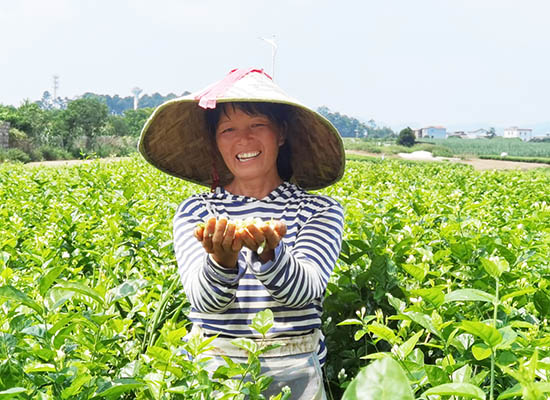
column 432, row 132
column 515, row 132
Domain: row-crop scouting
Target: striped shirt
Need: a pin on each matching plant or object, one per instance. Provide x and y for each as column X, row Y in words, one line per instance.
column 224, row 301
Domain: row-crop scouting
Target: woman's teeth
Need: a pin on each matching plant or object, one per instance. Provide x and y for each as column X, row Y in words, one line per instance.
column 247, row 156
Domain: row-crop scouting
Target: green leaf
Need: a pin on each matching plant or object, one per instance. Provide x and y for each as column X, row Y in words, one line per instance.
column 495, row 265
column 39, row 367
column 382, row 380
column 424, row 320
column 126, row 289
column 246, row 344
column 405, row 349
column 48, row 278
column 120, row 386
column 509, row 336
column 359, row 334
column 436, row 375
column 417, row 271
column 263, row 321
column 160, row 354
column 435, row 296
column 76, row 386
column 517, row 293
column 350, row 322
column 398, row 304
column 12, row 392
column 383, row 332
column 16, row 295
column 490, row 335
column 80, row 288
column 456, row 389
column 541, row 300
column 56, row 297
column 470, row 295
column 481, row 351
column 510, row 393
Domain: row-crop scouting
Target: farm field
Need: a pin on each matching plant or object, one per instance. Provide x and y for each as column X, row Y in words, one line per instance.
column 495, row 146
column 442, row 288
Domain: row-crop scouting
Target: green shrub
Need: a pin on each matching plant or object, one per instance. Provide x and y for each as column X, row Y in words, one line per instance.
column 14, row 155
column 35, row 154
column 54, row 153
column 406, row 137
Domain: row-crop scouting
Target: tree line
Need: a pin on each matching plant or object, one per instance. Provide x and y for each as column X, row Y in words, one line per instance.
column 104, row 125
column 56, row 128
column 354, row 128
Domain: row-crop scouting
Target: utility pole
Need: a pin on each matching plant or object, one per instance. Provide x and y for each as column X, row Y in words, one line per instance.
column 55, row 87
column 273, row 53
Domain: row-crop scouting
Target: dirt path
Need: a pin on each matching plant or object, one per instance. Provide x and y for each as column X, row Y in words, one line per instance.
column 477, row 163
column 61, row 163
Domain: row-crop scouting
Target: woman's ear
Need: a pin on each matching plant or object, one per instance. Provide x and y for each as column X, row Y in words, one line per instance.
column 282, row 133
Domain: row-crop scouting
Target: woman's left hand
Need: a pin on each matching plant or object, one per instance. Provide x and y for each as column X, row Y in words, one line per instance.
column 264, row 238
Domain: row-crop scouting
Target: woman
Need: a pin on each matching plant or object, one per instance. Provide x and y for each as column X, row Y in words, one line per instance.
column 258, row 149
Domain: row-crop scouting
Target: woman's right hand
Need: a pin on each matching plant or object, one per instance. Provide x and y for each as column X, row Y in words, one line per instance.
column 219, row 239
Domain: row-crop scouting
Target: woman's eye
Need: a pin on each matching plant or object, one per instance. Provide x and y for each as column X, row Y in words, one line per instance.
column 226, row 130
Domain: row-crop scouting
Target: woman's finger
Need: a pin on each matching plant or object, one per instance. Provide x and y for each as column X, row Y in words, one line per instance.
column 247, row 239
column 199, row 231
column 271, row 237
column 280, row 228
column 219, row 231
column 228, row 237
column 256, row 233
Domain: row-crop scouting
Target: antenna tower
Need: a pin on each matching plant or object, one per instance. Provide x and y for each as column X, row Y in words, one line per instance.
column 55, row 86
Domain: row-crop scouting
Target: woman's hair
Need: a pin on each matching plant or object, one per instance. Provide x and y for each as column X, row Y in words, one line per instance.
column 279, row 114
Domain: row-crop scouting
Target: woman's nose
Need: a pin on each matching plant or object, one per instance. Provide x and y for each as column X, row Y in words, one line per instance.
column 245, row 133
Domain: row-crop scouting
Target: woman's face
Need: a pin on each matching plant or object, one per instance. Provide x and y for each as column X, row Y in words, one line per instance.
column 249, row 145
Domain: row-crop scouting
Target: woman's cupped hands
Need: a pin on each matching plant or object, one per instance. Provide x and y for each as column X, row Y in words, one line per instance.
column 223, row 239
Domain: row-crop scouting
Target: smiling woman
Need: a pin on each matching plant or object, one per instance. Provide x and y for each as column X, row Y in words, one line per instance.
column 250, row 137
column 258, row 150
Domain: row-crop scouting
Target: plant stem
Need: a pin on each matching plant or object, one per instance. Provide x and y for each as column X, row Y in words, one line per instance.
column 495, row 311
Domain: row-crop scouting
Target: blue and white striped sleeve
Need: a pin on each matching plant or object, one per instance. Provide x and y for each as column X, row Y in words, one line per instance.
column 298, row 276
column 209, row 287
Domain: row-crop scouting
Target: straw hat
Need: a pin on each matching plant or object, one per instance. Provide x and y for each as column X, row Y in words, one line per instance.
column 175, row 139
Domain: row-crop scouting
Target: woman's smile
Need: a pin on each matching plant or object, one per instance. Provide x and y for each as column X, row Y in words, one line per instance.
column 249, row 145
column 243, row 157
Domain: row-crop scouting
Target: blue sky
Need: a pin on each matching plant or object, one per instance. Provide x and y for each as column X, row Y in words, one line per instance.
column 461, row 64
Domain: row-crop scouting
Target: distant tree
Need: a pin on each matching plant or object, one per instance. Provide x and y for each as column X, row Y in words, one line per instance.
column 384, row 132
column 135, row 119
column 347, row 126
column 116, row 126
column 406, row 137
column 491, row 133
column 83, row 117
column 46, row 102
column 154, row 100
column 28, row 118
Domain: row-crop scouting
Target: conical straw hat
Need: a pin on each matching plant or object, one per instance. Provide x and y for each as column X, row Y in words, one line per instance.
column 175, row 139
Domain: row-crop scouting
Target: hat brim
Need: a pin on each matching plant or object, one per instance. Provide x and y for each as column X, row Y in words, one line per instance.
column 175, row 139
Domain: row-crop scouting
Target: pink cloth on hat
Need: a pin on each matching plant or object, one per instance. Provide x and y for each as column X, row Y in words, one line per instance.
column 207, row 98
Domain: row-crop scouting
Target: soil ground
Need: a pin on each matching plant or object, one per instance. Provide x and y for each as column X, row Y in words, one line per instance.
column 60, row 163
